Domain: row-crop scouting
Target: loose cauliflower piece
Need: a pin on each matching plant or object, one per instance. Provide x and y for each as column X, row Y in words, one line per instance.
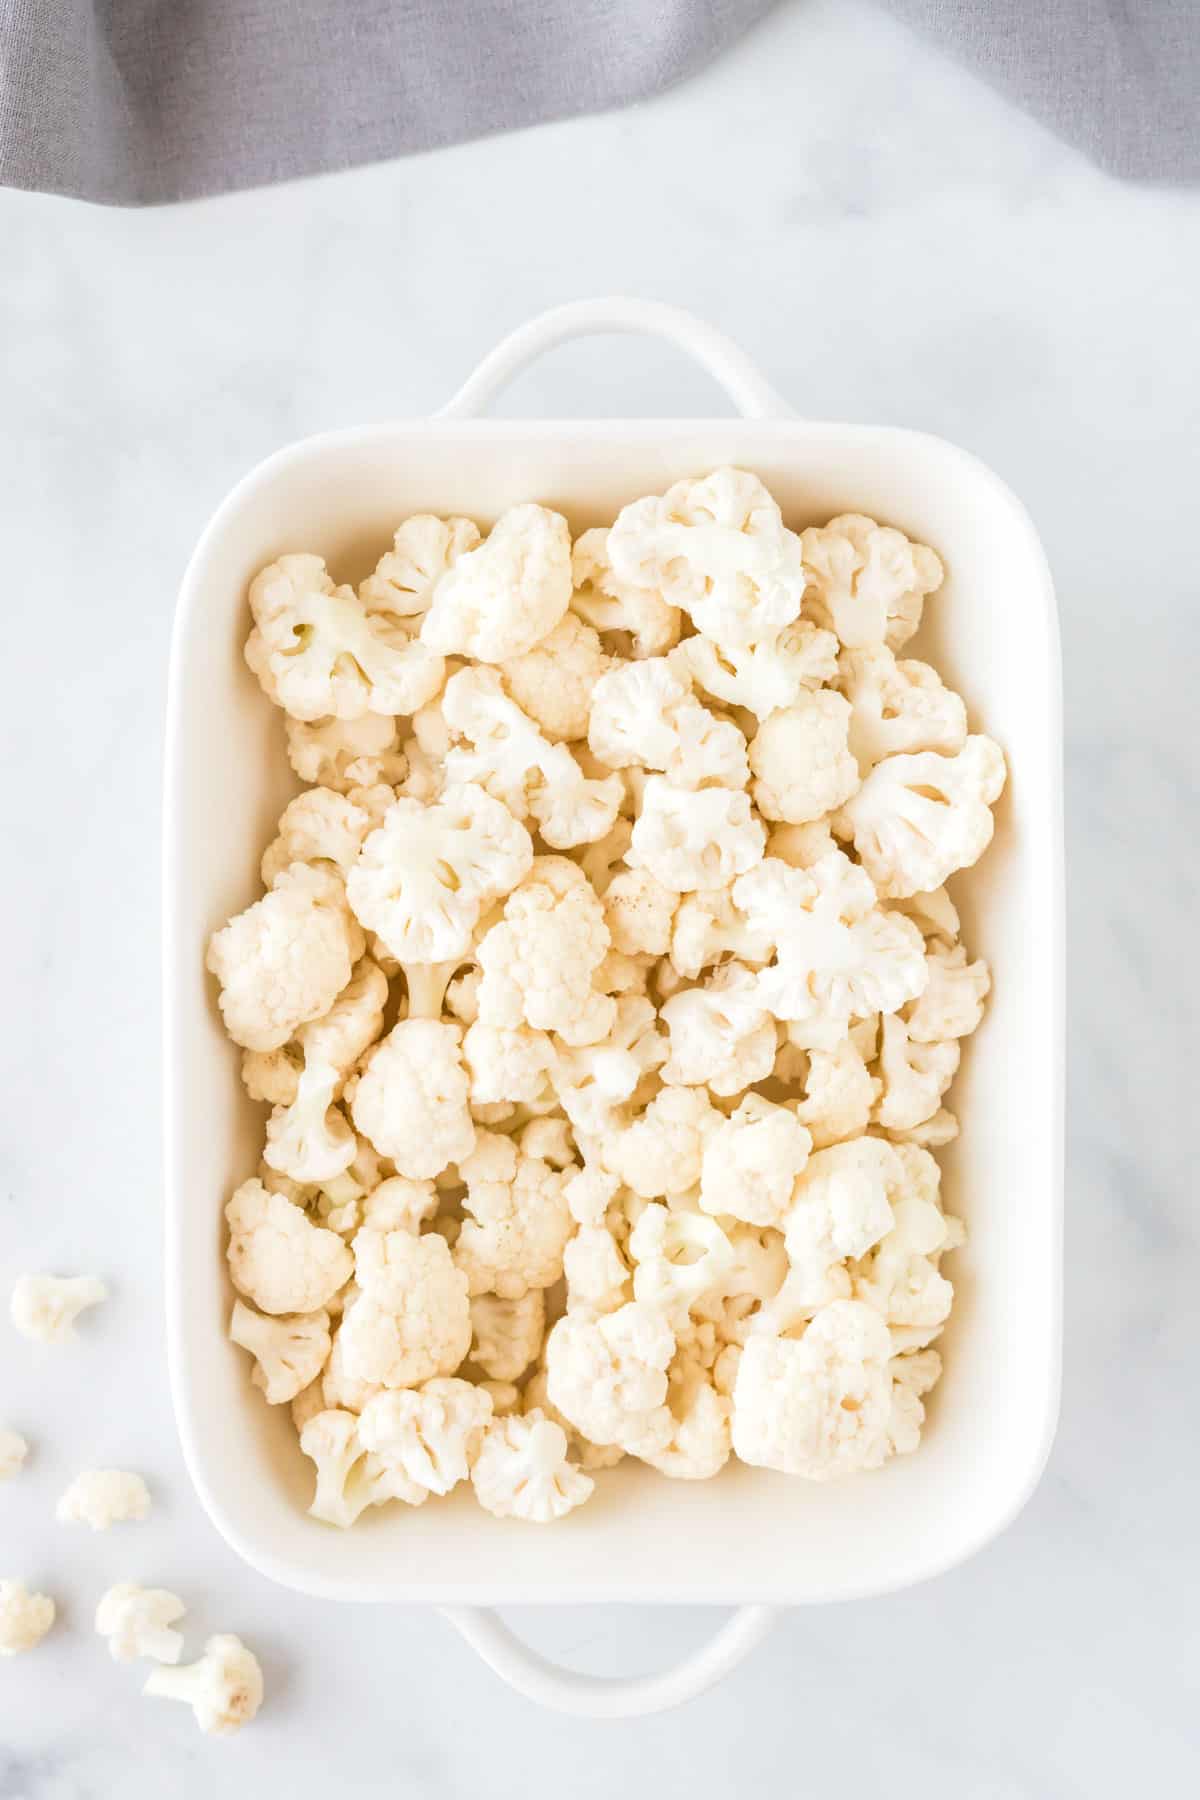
column 952, row 1003
column 311, row 1140
column 592, row 1081
column 801, row 846
column 318, row 826
column 318, row 653
column 553, row 682
column 721, row 1034
column 801, row 761
column 13, row 1451
column 914, row 1076
column 819, row 1406
column 346, row 753
column 285, row 959
column 25, row 1618
column 633, row 618
column 278, row 1258
column 350, row 1478
column 840, row 1094
column 717, row 547
column 507, row 1334
column 522, row 1471
column 224, row 1689
column 867, row 582
column 423, row 878
column 104, row 1497
column 695, row 838
column 431, row 1434
column 45, row 1307
column 423, row 549
column 540, row 960
column 506, row 1063
column 662, row 1153
column 288, row 1353
column 608, row 1376
column 504, row 597
column 897, row 707
column 413, row 1320
column 751, row 1162
column 916, row 819
column 638, row 911
column 518, row 1222
column 138, row 1621
column 679, row 1258
column 596, row 1273
column 411, row 1098
column 766, row 676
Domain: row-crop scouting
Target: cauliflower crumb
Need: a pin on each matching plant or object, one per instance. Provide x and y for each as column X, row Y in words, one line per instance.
column 25, row 1618
column 13, row 1451
column 104, row 1497
column 45, row 1307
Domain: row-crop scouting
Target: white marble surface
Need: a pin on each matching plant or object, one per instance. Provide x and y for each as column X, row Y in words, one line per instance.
column 894, row 243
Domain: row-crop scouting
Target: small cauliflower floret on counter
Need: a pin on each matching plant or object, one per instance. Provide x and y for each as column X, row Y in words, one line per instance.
column 423, row 549
column 718, row 548
column 319, row 654
column 766, row 676
column 896, row 707
column 346, row 753
column 818, row 1406
column 540, row 960
column 633, row 618
column 350, row 1478
column 288, row 1352
column 867, row 582
column 840, row 1093
column 952, row 1003
column 506, row 1063
column 507, row 1334
column 721, row 1034
column 801, row 761
column 310, row 1140
column 285, row 959
column 25, row 1618
column 841, row 1207
column 596, row 1273
column 278, row 1258
column 13, row 1451
column 913, row 1376
column 411, row 1098
column 662, row 1152
column 695, row 838
column 522, row 1471
column 319, row 825
column 431, row 1435
column 914, row 1076
column 224, row 1689
column 138, row 1621
column 423, row 878
column 638, row 911
column 608, row 1376
column 45, row 1307
column 597, row 1078
column 553, row 682
column 502, row 598
column 901, row 1278
column 413, row 1320
column 916, row 819
column 751, row 1162
column 104, row 1497
column 707, row 928
column 518, row 1220
column 679, row 1258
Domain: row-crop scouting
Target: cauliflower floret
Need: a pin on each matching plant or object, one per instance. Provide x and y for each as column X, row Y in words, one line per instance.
column 596, row 1273
column 916, row 819
column 411, row 1098
column 679, row 1258
column 104, row 1497
column 351, row 1025
column 721, row 1034
column 800, row 759
column 25, row 1618
column 45, row 1307
column 912, row 1377
column 509, row 1063
column 608, row 1376
column 662, row 1152
column 539, row 961
column 285, row 959
column 635, row 619
column 462, row 995
column 638, row 911
column 589, row 1193
column 866, row 581
column 278, row 1258
column 349, row 1476
column 592, row 1081
column 952, row 1003
column 840, row 1094
column 601, row 862
column 431, row 1434
column 901, row 1279
column 13, row 1451
column 413, row 1320
column 319, row 825
column 553, row 682
column 751, row 1162
column 625, row 976
column 519, row 1222
column 346, row 753
column 897, row 707
column 504, row 597
column 717, row 547
column 522, row 1471
column 699, row 1445
column 318, row 653
column 423, row 549
column 695, row 838
column 273, row 1076
column 710, row 751
column 224, row 1689
column 820, row 1406
column 767, row 676
column 423, row 878
column 289, row 1353
column 632, row 714
column 398, row 1204
column 707, row 928
column 311, row 1140
column 548, row 1137
column 931, row 1134
column 935, row 913
column 915, row 1076
column 841, row 1207
column 340, row 1389
column 800, row 846
column 507, row 1333
column 137, row 1621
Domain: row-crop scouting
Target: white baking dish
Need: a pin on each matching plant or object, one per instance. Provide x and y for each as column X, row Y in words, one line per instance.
column 749, row 1536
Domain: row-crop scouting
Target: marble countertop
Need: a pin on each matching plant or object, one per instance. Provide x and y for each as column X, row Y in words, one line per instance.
column 892, row 242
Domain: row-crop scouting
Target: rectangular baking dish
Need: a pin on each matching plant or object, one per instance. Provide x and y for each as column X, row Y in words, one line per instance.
column 749, row 1535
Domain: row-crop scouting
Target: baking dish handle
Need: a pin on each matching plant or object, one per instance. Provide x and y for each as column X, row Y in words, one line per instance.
column 729, row 366
column 603, row 1697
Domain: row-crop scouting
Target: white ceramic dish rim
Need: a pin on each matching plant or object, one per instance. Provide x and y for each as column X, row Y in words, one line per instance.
column 530, row 1674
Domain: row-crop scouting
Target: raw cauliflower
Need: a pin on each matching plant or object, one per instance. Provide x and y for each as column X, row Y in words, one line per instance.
column 553, row 682
column 45, row 1307
column 518, row 1220
column 522, row 1471
column 346, row 753
column 751, row 1161
column 540, row 959
column 423, row 549
column 721, row 1035
column 25, row 1618
column 627, row 614
column 285, row 959
column 916, row 819
column 138, row 1621
column 413, row 1320
column 288, row 1352
column 691, row 839
column 411, row 1098
column 502, row 598
column 278, row 1258
column 608, row 1376
column 867, row 582
column 819, row 1406
column 104, row 1497
column 431, row 1434
column 801, row 759
column 507, row 1333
